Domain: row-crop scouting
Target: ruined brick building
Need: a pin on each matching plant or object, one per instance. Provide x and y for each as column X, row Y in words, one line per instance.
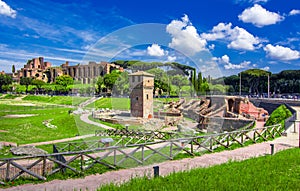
column 85, row 73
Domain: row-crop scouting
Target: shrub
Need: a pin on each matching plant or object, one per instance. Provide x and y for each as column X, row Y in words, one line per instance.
column 279, row 115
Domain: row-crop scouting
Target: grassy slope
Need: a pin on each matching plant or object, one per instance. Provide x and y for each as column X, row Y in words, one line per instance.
column 278, row 172
column 63, row 100
column 111, row 103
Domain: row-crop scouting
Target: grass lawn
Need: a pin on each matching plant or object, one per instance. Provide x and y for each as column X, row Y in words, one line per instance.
column 124, row 103
column 31, row 129
column 278, row 172
column 62, row 100
column 111, row 103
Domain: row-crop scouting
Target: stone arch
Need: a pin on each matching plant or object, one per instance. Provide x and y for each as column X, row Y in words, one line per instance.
column 230, row 104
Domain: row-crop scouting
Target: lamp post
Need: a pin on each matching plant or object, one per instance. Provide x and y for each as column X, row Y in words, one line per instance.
column 240, row 83
column 268, row 85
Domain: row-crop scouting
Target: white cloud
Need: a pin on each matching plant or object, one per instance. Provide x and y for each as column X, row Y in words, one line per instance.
column 257, row 1
column 185, row 37
column 259, row 16
column 238, row 38
column 211, row 47
column 6, row 65
column 251, row 1
column 7, row 10
column 281, row 53
column 155, row 50
column 294, row 12
column 172, row 58
column 267, row 68
column 225, row 60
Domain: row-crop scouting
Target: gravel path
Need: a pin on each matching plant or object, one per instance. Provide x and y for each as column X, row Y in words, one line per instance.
column 85, row 117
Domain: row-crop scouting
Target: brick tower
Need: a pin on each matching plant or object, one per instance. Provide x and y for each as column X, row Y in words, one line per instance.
column 141, row 96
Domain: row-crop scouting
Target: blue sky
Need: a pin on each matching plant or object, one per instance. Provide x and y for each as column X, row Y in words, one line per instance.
column 219, row 37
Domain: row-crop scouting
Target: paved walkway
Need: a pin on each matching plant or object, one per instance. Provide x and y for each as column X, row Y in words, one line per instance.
column 93, row 182
column 85, row 118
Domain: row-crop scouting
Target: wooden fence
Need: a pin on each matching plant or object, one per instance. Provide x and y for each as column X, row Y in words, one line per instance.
column 114, row 156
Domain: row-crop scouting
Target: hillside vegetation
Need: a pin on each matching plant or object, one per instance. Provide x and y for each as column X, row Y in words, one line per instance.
column 279, row 115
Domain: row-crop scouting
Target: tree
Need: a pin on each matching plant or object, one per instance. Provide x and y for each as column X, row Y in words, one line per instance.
column 100, row 84
column 122, row 84
column 110, row 79
column 64, row 80
column 38, row 84
column 161, row 80
column 26, row 81
column 179, row 81
column 5, row 80
column 13, row 69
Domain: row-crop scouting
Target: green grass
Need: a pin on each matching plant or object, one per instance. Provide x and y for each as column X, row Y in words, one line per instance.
column 111, row 103
column 25, row 130
column 278, row 172
column 61, row 100
column 9, row 96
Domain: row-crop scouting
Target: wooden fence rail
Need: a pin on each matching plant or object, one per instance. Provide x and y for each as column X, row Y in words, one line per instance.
column 141, row 153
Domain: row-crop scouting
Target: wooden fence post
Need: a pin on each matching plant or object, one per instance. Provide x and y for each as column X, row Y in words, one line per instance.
column 44, row 167
column 7, row 171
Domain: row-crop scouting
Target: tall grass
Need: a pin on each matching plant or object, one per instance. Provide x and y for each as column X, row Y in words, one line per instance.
column 278, row 172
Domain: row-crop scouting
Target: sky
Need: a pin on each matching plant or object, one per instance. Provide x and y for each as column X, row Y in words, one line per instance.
column 218, row 37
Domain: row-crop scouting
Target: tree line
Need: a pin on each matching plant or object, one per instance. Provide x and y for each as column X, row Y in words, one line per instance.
column 171, row 79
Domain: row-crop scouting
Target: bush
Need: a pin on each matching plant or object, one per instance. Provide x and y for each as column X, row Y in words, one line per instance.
column 279, row 115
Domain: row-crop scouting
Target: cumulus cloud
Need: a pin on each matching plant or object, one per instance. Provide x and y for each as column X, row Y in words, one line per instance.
column 172, row 58
column 238, row 38
column 155, row 50
column 251, row 1
column 259, row 16
column 185, row 37
column 225, row 60
column 267, row 68
column 7, row 10
column 294, row 12
column 281, row 53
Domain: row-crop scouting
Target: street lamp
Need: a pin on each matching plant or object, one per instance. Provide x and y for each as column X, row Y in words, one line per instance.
column 240, row 83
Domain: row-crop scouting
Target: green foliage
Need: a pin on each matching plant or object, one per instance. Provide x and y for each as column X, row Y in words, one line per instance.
column 64, row 80
column 38, row 83
column 278, row 172
column 279, row 115
column 26, row 81
column 4, row 80
column 121, row 86
column 100, row 84
column 109, row 80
